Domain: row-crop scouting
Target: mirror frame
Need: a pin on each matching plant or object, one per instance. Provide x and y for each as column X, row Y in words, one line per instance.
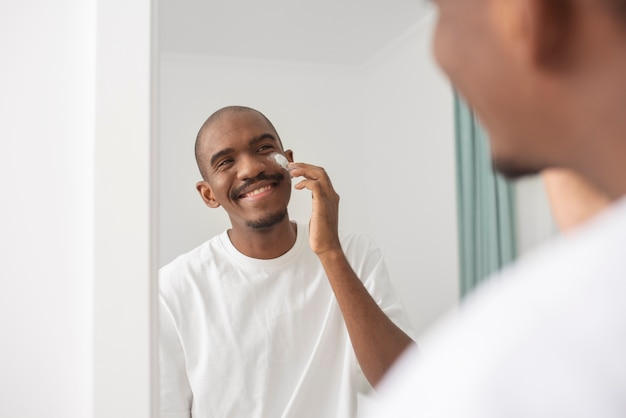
column 125, row 356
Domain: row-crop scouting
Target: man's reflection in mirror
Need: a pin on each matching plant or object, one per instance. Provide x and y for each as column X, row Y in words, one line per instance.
column 272, row 318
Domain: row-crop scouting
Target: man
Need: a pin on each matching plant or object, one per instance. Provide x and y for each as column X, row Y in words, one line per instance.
column 547, row 338
column 270, row 318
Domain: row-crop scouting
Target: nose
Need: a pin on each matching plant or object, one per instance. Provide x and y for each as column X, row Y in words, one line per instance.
column 250, row 166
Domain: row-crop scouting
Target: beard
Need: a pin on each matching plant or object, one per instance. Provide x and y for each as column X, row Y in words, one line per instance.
column 268, row 221
column 513, row 170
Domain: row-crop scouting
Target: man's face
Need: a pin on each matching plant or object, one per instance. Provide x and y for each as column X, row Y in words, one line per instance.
column 240, row 177
column 476, row 46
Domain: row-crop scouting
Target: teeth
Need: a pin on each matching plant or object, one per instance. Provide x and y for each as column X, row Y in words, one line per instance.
column 257, row 191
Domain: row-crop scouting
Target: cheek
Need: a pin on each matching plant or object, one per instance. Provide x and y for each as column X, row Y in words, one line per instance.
column 219, row 187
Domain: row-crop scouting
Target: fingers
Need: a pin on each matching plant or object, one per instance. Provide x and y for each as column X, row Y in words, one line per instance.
column 323, row 227
column 315, row 179
column 305, row 170
column 313, row 185
column 311, row 173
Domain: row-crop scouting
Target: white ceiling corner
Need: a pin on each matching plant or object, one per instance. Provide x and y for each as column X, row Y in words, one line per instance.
column 340, row 32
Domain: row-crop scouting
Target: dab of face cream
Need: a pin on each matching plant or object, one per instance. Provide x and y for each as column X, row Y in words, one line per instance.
column 279, row 159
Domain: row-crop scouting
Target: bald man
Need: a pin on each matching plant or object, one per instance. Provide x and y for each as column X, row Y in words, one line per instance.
column 547, row 337
column 272, row 318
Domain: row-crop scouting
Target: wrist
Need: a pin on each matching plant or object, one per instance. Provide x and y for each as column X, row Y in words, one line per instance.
column 331, row 255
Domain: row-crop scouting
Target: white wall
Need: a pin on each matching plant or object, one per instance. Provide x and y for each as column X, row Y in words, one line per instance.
column 47, row 80
column 75, row 241
column 383, row 131
column 412, row 157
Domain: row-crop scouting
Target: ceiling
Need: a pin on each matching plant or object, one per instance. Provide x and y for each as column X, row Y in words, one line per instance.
column 340, row 32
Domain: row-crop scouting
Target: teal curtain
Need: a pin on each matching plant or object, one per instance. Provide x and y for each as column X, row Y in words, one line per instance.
column 486, row 206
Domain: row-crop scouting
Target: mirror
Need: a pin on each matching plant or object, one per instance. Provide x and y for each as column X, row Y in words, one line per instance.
column 350, row 86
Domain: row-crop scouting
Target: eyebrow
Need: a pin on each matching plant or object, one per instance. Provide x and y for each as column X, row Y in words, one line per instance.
column 252, row 141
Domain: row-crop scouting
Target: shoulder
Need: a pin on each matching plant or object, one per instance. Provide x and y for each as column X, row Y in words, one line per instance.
column 557, row 314
column 356, row 244
column 362, row 252
column 189, row 266
column 366, row 259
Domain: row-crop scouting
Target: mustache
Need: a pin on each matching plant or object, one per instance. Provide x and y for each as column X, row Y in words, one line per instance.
column 262, row 176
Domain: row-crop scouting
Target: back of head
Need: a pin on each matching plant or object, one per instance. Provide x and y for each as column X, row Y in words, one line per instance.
column 546, row 78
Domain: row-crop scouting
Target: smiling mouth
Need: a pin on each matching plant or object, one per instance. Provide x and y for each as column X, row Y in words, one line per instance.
column 262, row 183
column 257, row 191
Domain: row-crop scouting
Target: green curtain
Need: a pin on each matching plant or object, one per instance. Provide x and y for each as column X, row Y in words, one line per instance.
column 486, row 206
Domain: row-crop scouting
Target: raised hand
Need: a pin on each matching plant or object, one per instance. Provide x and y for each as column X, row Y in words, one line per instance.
column 376, row 340
column 324, row 224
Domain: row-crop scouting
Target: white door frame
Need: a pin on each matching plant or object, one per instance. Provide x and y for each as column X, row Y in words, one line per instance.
column 125, row 251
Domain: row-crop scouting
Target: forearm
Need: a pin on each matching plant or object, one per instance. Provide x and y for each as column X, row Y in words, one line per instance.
column 376, row 340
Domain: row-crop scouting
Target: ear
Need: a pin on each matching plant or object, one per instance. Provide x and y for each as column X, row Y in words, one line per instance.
column 549, row 26
column 207, row 194
column 289, row 154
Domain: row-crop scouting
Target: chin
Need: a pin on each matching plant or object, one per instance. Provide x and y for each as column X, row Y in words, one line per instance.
column 268, row 221
column 514, row 169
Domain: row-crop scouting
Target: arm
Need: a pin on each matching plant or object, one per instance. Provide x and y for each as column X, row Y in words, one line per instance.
column 377, row 341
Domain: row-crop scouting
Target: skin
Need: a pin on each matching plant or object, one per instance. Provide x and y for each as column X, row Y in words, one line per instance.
column 234, row 153
column 376, row 340
column 546, row 79
column 573, row 199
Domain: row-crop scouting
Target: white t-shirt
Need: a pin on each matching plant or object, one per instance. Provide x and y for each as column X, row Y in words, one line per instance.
column 547, row 338
column 243, row 337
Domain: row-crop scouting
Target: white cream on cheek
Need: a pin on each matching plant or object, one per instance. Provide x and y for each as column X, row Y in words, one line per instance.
column 279, row 159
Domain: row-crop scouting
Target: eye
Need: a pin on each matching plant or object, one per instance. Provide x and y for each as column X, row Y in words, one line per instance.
column 223, row 163
column 265, row 147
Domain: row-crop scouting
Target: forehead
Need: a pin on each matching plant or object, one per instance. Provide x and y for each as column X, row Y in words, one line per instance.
column 235, row 128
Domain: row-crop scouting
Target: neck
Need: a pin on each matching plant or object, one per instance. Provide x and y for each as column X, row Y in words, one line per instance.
column 265, row 243
column 606, row 171
column 597, row 122
column 573, row 199
column 599, row 130
column 580, row 108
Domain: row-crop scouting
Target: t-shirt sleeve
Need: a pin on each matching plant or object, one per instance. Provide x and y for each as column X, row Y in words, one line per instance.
column 176, row 395
column 375, row 277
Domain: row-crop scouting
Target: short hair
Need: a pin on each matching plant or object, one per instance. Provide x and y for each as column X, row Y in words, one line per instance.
column 215, row 116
